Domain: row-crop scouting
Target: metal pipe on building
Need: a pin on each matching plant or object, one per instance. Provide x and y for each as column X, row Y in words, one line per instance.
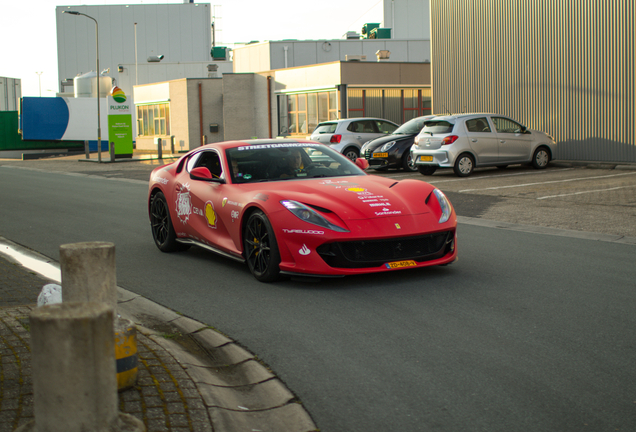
column 269, row 104
column 201, row 116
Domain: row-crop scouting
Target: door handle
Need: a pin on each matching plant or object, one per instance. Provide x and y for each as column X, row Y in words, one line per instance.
column 502, row 141
column 474, row 139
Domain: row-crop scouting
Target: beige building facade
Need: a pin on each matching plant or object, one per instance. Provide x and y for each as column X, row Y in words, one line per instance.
column 284, row 102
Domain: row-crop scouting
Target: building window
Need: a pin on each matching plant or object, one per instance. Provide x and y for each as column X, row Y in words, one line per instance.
column 153, row 119
column 299, row 114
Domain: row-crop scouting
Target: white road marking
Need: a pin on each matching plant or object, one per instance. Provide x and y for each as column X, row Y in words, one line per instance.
column 548, row 182
column 584, row 192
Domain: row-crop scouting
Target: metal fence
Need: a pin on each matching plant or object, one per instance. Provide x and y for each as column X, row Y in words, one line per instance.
column 564, row 67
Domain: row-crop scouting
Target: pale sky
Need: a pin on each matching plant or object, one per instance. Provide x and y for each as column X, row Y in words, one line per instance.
column 29, row 37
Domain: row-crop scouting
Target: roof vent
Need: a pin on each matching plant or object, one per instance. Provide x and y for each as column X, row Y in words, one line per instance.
column 349, row 57
column 383, row 54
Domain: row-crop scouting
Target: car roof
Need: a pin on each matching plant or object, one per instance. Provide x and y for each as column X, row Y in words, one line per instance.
column 354, row 119
column 465, row 116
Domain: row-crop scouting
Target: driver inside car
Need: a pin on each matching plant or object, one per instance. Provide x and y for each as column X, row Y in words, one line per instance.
column 293, row 163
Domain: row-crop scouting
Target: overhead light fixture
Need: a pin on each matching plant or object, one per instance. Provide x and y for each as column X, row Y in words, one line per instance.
column 155, row 59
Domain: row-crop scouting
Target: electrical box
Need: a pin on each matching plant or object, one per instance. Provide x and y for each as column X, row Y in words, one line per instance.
column 366, row 29
column 380, row 33
column 219, row 53
column 214, row 127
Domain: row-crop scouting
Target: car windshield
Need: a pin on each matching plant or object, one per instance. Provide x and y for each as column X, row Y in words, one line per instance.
column 287, row 161
column 437, row 127
column 413, row 126
column 324, row 128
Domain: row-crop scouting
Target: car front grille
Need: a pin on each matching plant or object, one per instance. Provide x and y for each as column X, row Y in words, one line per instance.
column 374, row 253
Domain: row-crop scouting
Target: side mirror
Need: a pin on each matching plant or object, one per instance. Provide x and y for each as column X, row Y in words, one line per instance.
column 203, row 173
column 363, row 164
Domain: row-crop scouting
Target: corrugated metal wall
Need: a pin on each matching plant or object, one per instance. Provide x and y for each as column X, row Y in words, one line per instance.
column 565, row 67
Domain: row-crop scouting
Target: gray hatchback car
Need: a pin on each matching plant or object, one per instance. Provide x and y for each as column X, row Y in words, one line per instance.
column 466, row 141
column 348, row 135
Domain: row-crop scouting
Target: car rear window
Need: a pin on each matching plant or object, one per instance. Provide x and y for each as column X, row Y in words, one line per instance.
column 437, row 127
column 324, row 128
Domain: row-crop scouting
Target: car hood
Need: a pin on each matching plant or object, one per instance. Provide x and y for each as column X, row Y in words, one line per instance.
column 372, row 145
column 353, row 198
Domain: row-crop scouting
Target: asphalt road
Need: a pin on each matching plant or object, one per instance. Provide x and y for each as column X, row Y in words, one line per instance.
column 527, row 332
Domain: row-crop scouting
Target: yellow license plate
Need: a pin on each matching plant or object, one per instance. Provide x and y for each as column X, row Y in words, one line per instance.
column 400, row 264
column 380, row 155
column 426, row 158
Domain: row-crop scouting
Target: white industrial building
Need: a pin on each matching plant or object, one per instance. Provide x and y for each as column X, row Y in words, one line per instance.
column 10, row 93
column 179, row 39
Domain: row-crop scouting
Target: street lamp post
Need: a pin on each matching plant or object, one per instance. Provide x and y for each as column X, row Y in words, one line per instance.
column 99, row 127
column 40, row 81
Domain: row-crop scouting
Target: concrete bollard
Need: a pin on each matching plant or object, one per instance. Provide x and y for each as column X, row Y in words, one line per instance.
column 73, row 361
column 88, row 273
column 159, row 148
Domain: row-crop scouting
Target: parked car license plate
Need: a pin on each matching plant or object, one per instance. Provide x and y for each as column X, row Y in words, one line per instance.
column 426, row 158
column 380, row 155
column 400, row 264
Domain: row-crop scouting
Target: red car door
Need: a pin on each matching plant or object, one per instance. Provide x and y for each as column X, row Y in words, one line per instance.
column 198, row 202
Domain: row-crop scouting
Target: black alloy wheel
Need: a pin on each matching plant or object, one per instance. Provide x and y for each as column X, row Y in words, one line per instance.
column 162, row 230
column 408, row 163
column 260, row 247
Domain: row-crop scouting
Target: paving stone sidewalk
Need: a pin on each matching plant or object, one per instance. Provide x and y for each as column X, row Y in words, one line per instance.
column 190, row 378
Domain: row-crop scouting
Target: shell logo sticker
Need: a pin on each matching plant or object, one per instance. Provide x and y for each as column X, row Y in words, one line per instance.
column 210, row 214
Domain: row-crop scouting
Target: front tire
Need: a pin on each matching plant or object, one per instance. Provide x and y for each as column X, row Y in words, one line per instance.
column 464, row 165
column 260, row 247
column 352, row 153
column 541, row 158
column 427, row 170
column 162, row 230
column 408, row 163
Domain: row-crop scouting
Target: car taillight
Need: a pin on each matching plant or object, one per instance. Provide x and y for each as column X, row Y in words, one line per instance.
column 335, row 139
column 449, row 139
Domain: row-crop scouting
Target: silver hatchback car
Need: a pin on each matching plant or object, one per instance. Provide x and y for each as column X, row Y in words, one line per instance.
column 466, row 141
column 348, row 135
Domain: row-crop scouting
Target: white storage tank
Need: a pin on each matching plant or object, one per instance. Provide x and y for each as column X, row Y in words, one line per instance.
column 85, row 85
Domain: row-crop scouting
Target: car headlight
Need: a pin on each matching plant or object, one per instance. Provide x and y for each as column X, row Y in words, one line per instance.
column 387, row 146
column 364, row 146
column 444, row 205
column 307, row 214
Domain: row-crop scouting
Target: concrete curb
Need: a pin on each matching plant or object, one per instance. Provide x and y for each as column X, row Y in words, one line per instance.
column 239, row 391
column 594, row 165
